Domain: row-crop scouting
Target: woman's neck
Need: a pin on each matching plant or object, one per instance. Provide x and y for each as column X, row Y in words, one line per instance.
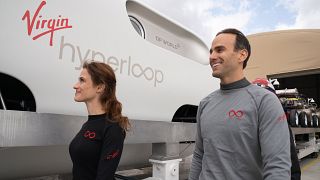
column 95, row 108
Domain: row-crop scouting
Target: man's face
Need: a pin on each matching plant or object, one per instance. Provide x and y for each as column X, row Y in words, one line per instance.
column 224, row 60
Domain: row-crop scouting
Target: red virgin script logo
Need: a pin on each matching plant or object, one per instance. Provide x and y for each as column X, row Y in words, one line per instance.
column 235, row 114
column 89, row 134
column 44, row 26
column 283, row 117
column 112, row 155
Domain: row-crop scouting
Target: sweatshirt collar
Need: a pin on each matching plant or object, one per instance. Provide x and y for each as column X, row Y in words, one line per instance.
column 235, row 85
column 97, row 117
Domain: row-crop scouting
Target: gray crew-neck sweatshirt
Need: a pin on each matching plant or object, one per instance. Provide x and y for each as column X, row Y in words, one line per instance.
column 242, row 133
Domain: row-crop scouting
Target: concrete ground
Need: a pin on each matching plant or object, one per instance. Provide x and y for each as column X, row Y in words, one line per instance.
column 310, row 167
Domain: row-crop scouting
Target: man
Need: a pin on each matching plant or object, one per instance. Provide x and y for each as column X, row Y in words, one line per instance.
column 242, row 131
column 295, row 166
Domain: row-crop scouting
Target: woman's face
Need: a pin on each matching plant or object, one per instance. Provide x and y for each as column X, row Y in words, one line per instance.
column 85, row 89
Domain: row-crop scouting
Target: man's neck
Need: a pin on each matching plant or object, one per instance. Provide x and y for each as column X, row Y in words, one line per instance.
column 231, row 79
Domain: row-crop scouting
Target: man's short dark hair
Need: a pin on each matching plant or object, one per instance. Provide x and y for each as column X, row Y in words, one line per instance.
column 241, row 42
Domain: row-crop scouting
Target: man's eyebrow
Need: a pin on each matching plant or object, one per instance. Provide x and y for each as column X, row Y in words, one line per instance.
column 217, row 47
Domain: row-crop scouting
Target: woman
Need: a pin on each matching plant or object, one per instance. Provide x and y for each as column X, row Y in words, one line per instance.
column 96, row 150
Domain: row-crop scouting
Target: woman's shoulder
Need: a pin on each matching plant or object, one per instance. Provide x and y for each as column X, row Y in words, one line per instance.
column 112, row 127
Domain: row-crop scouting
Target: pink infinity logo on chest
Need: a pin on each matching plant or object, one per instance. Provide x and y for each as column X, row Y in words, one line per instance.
column 89, row 134
column 238, row 114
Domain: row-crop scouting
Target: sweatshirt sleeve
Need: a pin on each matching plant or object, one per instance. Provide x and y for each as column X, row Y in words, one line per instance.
column 111, row 151
column 196, row 165
column 274, row 139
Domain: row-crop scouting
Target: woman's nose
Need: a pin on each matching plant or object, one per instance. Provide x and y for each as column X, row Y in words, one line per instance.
column 76, row 86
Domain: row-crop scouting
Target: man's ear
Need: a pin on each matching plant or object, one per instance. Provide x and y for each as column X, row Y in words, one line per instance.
column 243, row 54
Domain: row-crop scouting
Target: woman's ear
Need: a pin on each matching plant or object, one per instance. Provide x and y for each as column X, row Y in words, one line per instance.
column 100, row 88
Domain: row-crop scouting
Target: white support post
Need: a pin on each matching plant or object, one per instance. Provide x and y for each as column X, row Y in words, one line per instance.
column 165, row 170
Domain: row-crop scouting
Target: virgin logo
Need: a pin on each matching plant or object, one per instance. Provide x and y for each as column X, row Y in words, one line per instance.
column 43, row 26
column 89, row 134
column 112, row 155
column 238, row 114
column 283, row 117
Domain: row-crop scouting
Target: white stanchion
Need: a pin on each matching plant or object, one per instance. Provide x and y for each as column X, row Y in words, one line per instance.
column 165, row 170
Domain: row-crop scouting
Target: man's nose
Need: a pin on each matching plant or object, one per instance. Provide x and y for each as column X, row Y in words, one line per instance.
column 213, row 56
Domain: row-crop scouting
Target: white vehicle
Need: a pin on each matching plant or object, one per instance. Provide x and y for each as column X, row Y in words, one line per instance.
column 162, row 68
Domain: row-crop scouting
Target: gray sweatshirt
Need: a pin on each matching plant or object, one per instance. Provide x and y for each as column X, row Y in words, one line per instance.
column 242, row 134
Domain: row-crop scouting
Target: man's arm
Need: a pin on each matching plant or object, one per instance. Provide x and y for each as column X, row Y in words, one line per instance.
column 274, row 139
column 295, row 167
column 196, row 165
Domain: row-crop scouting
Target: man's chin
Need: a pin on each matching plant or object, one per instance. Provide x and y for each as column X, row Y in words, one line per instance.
column 216, row 75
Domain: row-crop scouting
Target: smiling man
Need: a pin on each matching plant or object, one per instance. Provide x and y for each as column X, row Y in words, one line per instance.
column 242, row 131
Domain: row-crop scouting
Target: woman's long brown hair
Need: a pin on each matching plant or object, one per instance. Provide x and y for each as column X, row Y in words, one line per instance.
column 102, row 73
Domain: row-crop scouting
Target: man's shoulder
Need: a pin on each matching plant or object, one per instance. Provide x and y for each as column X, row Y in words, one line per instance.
column 215, row 94
column 210, row 96
column 259, row 92
column 261, row 95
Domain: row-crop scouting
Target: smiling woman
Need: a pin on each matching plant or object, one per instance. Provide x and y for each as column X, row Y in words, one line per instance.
column 96, row 149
